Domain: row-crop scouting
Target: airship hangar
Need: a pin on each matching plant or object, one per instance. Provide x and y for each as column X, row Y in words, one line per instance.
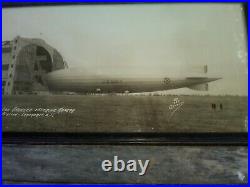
column 25, row 61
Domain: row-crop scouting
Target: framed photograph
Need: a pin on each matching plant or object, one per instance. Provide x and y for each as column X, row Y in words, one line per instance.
column 125, row 68
column 123, row 74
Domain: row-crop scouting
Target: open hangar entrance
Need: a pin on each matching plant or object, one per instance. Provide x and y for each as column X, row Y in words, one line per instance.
column 26, row 65
column 32, row 65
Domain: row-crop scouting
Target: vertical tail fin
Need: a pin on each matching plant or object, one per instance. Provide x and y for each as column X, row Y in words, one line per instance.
column 205, row 69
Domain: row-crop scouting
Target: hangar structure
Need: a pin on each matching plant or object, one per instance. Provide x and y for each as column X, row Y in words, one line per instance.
column 25, row 63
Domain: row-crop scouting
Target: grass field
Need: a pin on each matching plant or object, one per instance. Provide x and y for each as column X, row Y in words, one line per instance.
column 112, row 113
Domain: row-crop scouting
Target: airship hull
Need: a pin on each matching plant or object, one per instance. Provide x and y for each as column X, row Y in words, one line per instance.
column 70, row 81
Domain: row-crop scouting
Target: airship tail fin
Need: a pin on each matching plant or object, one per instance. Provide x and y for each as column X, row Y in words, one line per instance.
column 201, row 69
column 197, row 71
column 205, row 69
column 199, row 87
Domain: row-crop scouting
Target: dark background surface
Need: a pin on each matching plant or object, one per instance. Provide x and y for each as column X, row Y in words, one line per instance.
column 77, row 164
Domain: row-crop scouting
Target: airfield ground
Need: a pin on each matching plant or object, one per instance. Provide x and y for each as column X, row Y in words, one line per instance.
column 112, row 113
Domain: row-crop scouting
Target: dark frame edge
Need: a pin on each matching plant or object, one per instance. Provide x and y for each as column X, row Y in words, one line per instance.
column 176, row 139
column 212, row 138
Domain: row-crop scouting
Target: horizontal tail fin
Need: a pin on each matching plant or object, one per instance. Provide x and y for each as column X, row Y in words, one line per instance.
column 199, row 87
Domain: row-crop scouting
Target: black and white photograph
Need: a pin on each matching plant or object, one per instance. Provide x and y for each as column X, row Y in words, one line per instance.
column 155, row 68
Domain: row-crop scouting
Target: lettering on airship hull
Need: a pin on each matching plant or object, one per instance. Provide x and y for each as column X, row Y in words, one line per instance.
column 112, row 82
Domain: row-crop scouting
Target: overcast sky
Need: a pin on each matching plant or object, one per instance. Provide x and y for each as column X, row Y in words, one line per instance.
column 169, row 40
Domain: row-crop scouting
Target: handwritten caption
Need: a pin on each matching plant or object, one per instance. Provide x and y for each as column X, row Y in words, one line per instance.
column 35, row 112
